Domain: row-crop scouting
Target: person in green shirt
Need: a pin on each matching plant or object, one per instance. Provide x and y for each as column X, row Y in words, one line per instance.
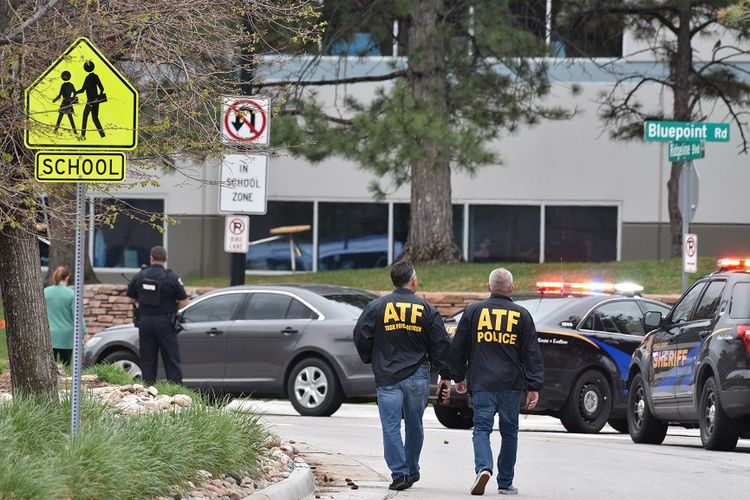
column 60, row 308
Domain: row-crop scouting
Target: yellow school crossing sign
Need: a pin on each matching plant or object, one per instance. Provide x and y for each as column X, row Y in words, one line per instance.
column 81, row 102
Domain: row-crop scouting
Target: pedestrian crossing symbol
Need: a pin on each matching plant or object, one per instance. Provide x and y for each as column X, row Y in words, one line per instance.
column 81, row 102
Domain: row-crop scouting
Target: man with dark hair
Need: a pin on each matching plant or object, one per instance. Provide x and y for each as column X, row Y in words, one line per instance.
column 495, row 350
column 158, row 294
column 402, row 335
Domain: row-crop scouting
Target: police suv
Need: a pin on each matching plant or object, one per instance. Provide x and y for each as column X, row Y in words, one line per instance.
column 693, row 370
column 587, row 333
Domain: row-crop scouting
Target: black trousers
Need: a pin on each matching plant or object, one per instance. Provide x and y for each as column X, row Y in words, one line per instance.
column 155, row 334
column 63, row 355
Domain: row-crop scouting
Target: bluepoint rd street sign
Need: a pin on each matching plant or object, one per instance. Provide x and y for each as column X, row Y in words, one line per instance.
column 685, row 131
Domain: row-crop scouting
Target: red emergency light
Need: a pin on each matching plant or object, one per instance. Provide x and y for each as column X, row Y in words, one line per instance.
column 587, row 287
column 733, row 264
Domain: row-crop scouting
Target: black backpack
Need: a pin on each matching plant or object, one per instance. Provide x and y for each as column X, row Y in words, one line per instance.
column 149, row 290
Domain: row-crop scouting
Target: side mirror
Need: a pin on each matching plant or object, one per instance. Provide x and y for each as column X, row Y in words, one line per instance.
column 652, row 319
column 178, row 322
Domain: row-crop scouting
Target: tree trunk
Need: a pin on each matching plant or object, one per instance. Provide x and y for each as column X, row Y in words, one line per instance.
column 682, row 63
column 431, row 223
column 32, row 368
column 62, row 204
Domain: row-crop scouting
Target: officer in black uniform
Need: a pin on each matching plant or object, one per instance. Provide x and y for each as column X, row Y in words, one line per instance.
column 158, row 294
column 495, row 349
column 401, row 335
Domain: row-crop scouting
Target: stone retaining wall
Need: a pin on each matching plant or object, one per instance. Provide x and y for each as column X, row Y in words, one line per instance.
column 107, row 305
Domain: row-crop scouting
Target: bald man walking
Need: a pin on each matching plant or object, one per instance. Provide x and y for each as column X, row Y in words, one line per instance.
column 495, row 352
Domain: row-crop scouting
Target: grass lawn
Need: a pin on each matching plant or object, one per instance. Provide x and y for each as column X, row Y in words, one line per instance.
column 655, row 276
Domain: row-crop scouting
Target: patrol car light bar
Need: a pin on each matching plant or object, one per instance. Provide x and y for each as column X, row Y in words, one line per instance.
column 587, row 287
column 732, row 264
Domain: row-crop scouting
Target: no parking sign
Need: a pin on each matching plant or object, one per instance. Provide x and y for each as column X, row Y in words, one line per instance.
column 690, row 253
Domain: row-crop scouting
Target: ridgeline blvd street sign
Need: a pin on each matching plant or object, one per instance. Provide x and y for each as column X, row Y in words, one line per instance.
column 71, row 166
column 81, row 102
column 685, row 131
column 682, row 151
column 246, row 120
column 243, row 184
column 236, row 233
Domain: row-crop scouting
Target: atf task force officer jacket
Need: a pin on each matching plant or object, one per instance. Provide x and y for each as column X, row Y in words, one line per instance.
column 496, row 337
column 171, row 289
column 397, row 333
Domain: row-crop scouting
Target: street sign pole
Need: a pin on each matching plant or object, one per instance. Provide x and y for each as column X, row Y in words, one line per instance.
column 685, row 189
column 75, row 418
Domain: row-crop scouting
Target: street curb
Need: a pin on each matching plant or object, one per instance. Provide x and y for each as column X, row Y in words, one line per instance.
column 298, row 486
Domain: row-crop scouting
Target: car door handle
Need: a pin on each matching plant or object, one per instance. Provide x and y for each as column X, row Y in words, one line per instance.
column 289, row 331
column 213, row 332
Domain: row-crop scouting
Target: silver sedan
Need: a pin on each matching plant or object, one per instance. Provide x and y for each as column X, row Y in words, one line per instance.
column 274, row 340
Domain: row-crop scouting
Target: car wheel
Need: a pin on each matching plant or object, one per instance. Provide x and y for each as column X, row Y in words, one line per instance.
column 589, row 404
column 718, row 431
column 643, row 426
column 619, row 424
column 126, row 360
column 314, row 389
column 455, row 418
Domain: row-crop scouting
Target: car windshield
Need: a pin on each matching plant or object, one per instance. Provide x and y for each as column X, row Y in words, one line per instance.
column 542, row 306
column 352, row 302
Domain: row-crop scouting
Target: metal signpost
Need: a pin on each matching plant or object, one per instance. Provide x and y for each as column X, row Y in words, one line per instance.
column 686, row 144
column 80, row 152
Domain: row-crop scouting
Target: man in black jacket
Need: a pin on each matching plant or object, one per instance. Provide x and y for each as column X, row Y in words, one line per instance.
column 497, row 340
column 401, row 335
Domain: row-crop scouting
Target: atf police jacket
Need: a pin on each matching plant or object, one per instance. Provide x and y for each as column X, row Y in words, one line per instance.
column 397, row 333
column 497, row 339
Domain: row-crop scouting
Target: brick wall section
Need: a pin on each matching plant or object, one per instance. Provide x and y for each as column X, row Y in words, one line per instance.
column 108, row 305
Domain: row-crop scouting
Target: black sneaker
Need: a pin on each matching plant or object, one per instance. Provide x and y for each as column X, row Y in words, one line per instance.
column 413, row 478
column 480, row 482
column 399, row 483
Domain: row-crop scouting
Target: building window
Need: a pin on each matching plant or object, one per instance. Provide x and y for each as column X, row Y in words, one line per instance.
column 503, row 233
column 352, row 235
column 276, row 255
column 576, row 33
column 360, row 29
column 401, row 216
column 580, row 234
column 128, row 242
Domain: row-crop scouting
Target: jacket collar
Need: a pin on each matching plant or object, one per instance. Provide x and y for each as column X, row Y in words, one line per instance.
column 403, row 290
column 498, row 296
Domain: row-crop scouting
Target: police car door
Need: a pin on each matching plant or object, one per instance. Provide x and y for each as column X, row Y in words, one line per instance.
column 665, row 355
column 265, row 333
column 691, row 338
column 205, row 323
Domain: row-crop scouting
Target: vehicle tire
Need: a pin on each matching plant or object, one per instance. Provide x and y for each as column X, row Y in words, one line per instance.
column 619, row 424
column 718, row 431
column 455, row 418
column 314, row 389
column 643, row 426
column 125, row 359
column 589, row 404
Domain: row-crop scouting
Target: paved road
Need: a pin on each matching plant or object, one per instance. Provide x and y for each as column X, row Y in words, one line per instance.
column 552, row 464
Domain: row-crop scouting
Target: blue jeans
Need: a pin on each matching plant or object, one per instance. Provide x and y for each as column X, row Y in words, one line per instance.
column 506, row 404
column 406, row 399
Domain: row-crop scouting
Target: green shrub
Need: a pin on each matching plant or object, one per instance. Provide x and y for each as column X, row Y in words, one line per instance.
column 111, row 374
column 119, row 457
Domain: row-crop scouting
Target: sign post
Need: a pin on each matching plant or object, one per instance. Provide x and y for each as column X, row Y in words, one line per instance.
column 80, row 152
column 686, row 144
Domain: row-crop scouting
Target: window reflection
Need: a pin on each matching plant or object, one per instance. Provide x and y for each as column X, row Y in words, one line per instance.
column 275, row 255
column 352, row 235
column 128, row 242
column 580, row 234
column 503, row 233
